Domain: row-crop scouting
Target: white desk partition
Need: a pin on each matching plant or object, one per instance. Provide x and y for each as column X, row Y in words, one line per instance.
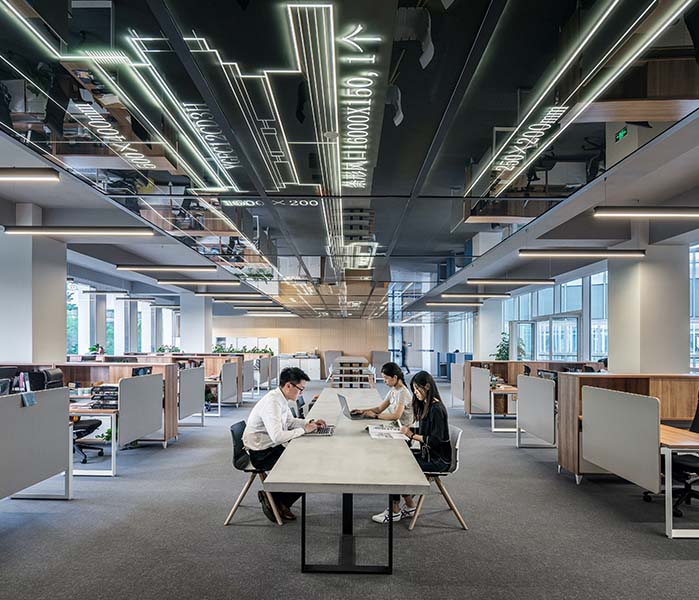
column 273, row 370
column 480, row 390
column 140, row 407
column 621, row 433
column 248, row 375
column 229, row 382
column 191, row 391
column 265, row 364
column 35, row 442
column 536, row 408
column 456, row 376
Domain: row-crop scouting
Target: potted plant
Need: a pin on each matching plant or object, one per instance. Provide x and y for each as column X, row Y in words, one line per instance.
column 502, row 351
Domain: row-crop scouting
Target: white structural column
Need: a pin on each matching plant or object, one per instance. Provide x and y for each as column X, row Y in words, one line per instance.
column 649, row 312
column 487, row 327
column 32, row 295
column 146, row 328
column 120, row 327
column 85, row 327
column 196, row 323
column 132, row 326
column 99, row 333
column 157, row 327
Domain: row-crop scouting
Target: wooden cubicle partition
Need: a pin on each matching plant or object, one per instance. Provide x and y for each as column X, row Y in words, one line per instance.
column 507, row 370
column 88, row 373
column 677, row 394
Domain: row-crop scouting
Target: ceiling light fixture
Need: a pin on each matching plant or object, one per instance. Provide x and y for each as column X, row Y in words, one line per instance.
column 647, row 212
column 197, row 282
column 20, row 174
column 99, row 292
column 224, row 295
column 270, row 315
column 584, row 105
column 505, row 281
column 244, row 301
column 581, row 253
column 175, row 268
column 477, row 295
column 130, row 299
column 78, row 231
column 453, row 304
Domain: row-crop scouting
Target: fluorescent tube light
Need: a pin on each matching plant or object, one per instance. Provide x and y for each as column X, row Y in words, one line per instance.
column 98, row 292
column 19, row 174
column 477, row 295
column 78, row 231
column 225, row 295
column 271, row 315
column 453, row 304
column 505, row 281
column 175, row 268
column 647, row 212
column 581, row 253
column 262, row 301
column 197, row 282
column 130, row 299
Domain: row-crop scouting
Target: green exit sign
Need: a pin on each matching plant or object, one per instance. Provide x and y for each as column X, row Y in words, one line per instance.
column 621, row 134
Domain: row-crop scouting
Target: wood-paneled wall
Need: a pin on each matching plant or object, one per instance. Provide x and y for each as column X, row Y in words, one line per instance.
column 355, row 337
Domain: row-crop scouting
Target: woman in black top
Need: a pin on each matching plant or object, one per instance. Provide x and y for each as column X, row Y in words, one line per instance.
column 433, row 430
column 432, row 433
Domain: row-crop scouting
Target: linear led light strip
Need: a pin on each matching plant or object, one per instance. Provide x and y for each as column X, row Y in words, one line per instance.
column 48, row 154
column 321, row 106
column 139, row 48
column 546, row 91
column 600, row 91
column 647, row 212
column 581, row 253
column 127, row 99
column 258, row 138
column 95, row 58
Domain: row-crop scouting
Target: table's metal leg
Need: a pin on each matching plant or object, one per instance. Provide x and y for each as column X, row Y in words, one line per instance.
column 492, row 411
column 668, row 491
column 347, row 556
column 112, row 471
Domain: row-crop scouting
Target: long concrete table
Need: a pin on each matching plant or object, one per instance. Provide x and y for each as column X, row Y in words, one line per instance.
column 347, row 463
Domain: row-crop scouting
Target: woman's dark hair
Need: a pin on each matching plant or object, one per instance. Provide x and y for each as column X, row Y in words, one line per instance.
column 425, row 382
column 393, row 370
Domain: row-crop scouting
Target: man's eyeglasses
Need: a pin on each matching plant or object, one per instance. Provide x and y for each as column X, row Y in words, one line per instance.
column 300, row 389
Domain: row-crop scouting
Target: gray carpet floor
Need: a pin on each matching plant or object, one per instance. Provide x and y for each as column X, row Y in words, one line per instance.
column 156, row 532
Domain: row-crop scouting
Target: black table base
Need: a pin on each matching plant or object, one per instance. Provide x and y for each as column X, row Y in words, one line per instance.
column 347, row 562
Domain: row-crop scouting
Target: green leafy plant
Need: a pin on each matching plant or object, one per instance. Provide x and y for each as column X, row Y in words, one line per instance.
column 502, row 351
column 106, row 436
column 166, row 348
column 92, row 349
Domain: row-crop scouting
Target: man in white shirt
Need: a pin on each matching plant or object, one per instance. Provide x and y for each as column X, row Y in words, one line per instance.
column 271, row 426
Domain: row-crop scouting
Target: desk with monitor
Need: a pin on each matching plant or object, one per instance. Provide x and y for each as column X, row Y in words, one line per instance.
column 347, row 463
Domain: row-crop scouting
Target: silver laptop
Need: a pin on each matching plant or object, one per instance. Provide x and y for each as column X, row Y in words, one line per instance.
column 346, row 409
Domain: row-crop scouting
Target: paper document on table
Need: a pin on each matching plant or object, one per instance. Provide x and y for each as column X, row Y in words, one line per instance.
column 383, row 432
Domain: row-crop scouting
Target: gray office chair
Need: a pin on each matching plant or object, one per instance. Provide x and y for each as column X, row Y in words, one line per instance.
column 241, row 461
column 455, row 439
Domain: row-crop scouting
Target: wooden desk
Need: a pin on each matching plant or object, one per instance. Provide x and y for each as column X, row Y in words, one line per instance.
column 677, row 394
column 348, row 463
column 505, row 390
column 91, row 372
column 675, row 441
column 84, row 410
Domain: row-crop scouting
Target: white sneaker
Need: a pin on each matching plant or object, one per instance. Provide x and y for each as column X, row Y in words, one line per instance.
column 407, row 513
column 383, row 517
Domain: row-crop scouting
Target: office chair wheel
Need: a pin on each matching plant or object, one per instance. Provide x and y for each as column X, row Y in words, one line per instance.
column 83, row 461
column 676, row 512
column 100, row 453
column 647, row 497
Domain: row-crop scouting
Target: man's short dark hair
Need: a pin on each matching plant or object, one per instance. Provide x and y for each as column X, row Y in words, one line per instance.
column 292, row 375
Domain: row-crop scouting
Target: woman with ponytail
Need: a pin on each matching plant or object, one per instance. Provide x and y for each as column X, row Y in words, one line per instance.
column 397, row 405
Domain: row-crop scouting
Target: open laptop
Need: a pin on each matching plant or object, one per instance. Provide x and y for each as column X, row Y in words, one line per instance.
column 346, row 409
column 322, row 431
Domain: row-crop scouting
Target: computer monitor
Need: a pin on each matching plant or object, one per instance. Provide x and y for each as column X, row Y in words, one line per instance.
column 138, row 371
column 7, row 372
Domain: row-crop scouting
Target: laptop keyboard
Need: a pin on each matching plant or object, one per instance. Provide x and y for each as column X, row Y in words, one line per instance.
column 329, row 430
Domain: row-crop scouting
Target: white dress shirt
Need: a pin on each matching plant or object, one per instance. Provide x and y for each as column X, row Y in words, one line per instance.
column 271, row 423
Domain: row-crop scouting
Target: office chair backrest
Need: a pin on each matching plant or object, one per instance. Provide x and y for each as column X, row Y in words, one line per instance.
column 7, row 372
column 53, row 378
column 5, row 387
column 455, row 440
column 694, row 427
column 527, row 370
column 240, row 458
column 300, row 403
column 588, row 369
